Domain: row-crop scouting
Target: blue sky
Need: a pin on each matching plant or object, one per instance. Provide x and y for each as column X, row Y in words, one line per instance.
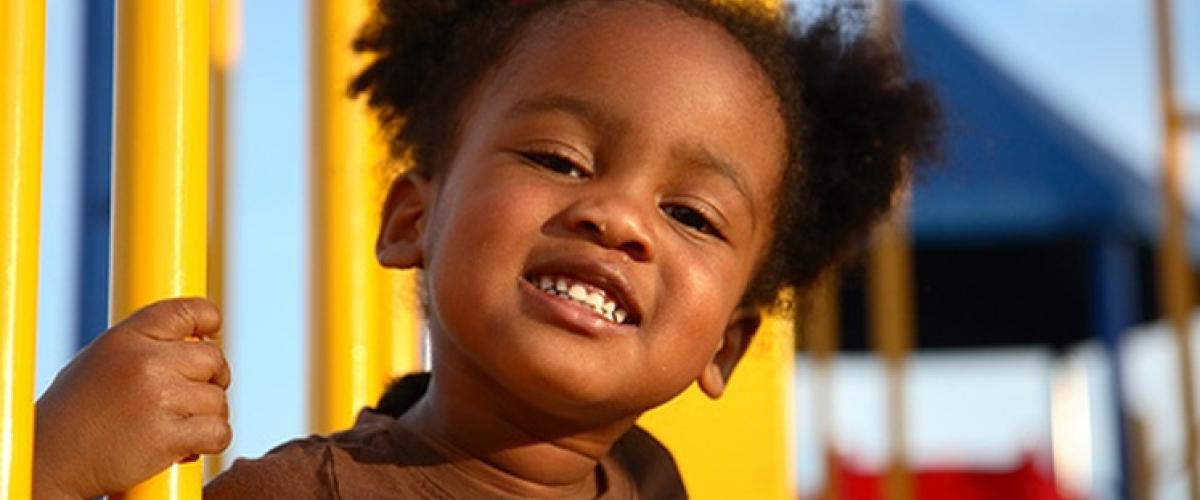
column 1092, row 60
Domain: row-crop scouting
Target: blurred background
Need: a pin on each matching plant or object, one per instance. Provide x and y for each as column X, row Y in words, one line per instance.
column 1040, row 363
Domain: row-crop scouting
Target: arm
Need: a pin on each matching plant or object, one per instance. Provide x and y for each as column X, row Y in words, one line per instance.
column 147, row 393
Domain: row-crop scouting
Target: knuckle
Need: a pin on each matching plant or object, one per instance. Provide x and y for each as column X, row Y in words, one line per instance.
column 144, row 365
column 202, row 312
column 210, row 401
column 164, row 395
column 214, row 435
column 165, row 436
column 182, row 313
column 224, row 434
column 211, row 355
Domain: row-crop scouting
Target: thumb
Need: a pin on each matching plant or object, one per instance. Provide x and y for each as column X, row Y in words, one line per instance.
column 175, row 319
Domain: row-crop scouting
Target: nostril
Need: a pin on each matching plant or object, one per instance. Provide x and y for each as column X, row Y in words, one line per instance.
column 591, row 227
column 612, row 223
column 635, row 249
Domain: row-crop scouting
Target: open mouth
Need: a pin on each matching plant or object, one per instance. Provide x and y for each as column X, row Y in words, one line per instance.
column 604, row 303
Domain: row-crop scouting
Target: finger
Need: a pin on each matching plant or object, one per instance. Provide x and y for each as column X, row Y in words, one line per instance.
column 195, row 398
column 204, row 434
column 224, row 377
column 175, row 319
column 201, row 362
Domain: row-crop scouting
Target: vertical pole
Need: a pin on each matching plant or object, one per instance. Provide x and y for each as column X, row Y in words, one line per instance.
column 401, row 340
column 225, row 38
column 1174, row 273
column 890, row 297
column 359, row 319
column 891, row 326
column 96, row 165
column 160, row 173
column 22, row 52
column 822, row 329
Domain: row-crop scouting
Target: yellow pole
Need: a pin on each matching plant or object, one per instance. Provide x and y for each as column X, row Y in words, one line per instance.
column 226, row 49
column 822, row 329
column 401, row 340
column 1174, row 272
column 160, row 173
column 359, row 315
column 890, row 297
column 22, row 48
column 891, row 327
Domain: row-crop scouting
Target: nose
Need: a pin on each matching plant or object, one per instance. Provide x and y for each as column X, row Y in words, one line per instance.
column 614, row 221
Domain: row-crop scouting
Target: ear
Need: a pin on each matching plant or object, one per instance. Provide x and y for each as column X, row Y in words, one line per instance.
column 738, row 334
column 400, row 240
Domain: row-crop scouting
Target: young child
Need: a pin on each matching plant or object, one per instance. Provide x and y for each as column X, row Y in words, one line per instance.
column 605, row 195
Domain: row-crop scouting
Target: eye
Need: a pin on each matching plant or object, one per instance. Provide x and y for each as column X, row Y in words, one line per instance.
column 692, row 218
column 558, row 163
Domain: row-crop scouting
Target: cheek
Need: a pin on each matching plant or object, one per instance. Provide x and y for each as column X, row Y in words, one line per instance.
column 479, row 245
column 707, row 283
column 700, row 295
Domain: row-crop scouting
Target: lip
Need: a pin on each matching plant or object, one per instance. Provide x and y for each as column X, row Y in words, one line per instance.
column 569, row 315
column 595, row 272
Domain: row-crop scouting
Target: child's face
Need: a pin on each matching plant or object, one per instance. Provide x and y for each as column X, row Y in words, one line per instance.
column 624, row 147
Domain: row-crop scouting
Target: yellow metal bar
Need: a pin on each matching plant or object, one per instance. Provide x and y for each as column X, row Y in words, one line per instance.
column 22, row 49
column 357, row 323
column 226, row 47
column 160, row 176
column 890, row 292
column 401, row 344
column 742, row 445
column 1174, row 272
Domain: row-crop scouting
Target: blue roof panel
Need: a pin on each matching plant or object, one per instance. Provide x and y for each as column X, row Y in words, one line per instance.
column 1013, row 169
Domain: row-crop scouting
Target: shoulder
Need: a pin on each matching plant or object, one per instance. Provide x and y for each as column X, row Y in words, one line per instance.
column 649, row 465
column 299, row 469
column 316, row 466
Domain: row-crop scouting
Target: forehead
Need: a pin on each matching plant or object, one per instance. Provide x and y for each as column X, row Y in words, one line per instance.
column 656, row 73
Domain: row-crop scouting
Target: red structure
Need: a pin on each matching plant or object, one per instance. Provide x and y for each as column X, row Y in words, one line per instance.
column 1031, row 479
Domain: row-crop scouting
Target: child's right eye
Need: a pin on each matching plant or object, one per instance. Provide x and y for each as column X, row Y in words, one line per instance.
column 557, row 163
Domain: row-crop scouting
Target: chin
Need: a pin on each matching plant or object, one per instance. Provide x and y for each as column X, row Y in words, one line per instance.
column 582, row 396
column 576, row 388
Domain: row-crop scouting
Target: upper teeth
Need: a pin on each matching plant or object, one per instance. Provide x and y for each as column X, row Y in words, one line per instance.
column 584, row 294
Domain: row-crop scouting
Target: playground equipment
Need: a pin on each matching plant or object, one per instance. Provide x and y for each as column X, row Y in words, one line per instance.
column 1175, row 283
column 160, row 181
column 22, row 44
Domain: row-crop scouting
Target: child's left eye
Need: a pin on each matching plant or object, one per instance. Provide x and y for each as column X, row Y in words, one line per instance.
column 558, row 163
column 692, row 218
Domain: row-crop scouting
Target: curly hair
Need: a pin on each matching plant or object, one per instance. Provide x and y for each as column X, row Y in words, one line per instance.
column 856, row 124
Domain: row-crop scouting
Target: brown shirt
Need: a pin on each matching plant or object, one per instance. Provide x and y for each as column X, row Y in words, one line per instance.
column 377, row 458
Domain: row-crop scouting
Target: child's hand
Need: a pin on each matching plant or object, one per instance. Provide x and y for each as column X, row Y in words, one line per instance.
column 144, row 395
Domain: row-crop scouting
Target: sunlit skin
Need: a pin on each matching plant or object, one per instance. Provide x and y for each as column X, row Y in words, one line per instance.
column 622, row 142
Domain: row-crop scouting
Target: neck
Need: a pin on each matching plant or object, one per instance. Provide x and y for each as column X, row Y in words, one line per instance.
column 495, row 438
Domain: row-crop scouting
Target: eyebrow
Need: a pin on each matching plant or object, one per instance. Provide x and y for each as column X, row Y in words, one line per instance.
column 698, row 155
column 590, row 112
